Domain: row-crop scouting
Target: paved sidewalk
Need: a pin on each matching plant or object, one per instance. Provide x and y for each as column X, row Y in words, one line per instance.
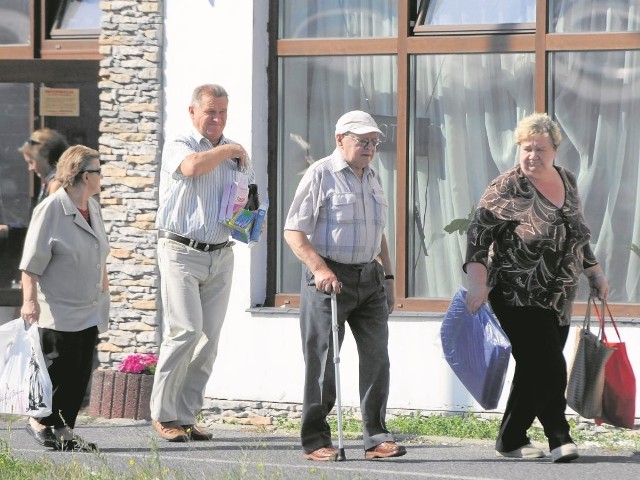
column 255, row 453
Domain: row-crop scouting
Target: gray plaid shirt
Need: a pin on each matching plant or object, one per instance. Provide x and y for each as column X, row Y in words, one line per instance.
column 343, row 216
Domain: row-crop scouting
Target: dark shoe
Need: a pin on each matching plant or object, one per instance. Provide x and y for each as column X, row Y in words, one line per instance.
column 385, row 450
column 76, row 444
column 324, row 454
column 44, row 437
column 170, row 431
column 197, row 433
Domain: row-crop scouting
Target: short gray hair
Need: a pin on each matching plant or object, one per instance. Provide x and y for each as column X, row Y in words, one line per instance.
column 207, row 89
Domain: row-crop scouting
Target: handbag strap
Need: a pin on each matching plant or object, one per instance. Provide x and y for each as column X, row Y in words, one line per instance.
column 602, row 319
column 586, row 323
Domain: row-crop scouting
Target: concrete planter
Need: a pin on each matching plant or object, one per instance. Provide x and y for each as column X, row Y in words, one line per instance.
column 120, row 395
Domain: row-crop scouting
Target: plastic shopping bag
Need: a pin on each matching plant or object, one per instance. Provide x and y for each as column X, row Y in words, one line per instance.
column 477, row 350
column 585, row 385
column 619, row 391
column 25, row 386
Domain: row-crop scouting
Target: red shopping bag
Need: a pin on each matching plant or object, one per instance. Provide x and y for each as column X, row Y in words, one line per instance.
column 619, row 395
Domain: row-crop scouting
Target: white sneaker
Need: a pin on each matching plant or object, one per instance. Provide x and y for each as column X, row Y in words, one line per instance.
column 526, row 451
column 565, row 453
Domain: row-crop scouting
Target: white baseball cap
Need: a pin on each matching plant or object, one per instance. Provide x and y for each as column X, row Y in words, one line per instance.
column 357, row 122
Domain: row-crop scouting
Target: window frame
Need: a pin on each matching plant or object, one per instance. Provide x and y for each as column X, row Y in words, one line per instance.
column 413, row 40
column 73, row 47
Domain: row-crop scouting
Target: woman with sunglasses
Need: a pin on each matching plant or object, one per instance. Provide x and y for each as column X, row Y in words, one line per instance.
column 41, row 151
column 64, row 260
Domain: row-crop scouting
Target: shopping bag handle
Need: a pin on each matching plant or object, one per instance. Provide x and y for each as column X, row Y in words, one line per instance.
column 602, row 320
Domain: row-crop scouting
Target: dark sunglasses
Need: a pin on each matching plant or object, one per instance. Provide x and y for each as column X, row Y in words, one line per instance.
column 32, row 142
column 95, row 170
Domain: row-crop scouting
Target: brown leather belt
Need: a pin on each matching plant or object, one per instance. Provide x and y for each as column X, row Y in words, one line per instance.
column 205, row 247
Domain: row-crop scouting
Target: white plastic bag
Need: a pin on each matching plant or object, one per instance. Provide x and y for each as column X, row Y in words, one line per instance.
column 25, row 386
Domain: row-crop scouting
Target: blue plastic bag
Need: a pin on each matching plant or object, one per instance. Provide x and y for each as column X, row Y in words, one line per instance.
column 477, row 350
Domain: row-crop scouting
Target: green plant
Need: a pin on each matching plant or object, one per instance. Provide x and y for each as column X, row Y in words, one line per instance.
column 460, row 225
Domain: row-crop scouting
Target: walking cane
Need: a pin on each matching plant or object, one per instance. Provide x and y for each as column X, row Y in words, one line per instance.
column 336, row 362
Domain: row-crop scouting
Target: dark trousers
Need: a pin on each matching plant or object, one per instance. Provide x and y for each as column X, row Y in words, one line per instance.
column 69, row 356
column 363, row 304
column 540, row 376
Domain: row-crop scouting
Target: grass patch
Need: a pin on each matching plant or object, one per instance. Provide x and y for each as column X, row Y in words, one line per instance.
column 472, row 426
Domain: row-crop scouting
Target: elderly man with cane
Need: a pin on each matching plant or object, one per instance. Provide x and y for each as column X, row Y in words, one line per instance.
column 335, row 226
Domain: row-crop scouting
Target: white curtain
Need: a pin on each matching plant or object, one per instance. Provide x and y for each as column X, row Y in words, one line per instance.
column 316, row 91
column 470, row 104
column 338, row 18
column 597, row 103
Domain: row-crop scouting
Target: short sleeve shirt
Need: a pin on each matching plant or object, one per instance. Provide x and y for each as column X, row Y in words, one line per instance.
column 342, row 215
column 189, row 206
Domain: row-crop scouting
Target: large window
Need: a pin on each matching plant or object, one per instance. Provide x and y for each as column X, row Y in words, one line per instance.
column 596, row 100
column 318, row 91
column 464, row 110
column 458, row 75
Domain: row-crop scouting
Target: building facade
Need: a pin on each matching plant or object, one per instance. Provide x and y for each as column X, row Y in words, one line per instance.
column 447, row 80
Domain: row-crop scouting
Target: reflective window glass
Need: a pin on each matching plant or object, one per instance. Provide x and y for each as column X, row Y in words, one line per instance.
column 15, row 24
column 464, row 111
column 315, row 92
column 575, row 16
column 472, row 12
column 596, row 101
column 77, row 18
column 338, row 18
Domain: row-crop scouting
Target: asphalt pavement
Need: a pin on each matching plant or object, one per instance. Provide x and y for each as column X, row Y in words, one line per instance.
column 240, row 452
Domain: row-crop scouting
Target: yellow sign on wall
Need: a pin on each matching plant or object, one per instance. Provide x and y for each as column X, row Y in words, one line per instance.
column 60, row 102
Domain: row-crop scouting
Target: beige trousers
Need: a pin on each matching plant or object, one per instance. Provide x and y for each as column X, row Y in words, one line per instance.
column 195, row 288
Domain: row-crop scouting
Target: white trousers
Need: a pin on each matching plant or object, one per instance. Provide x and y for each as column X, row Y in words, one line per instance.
column 195, row 288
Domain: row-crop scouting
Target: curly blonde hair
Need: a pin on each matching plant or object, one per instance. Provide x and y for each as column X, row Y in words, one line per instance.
column 538, row 124
column 72, row 164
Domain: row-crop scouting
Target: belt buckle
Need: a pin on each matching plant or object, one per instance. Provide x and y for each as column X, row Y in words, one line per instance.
column 193, row 244
column 206, row 247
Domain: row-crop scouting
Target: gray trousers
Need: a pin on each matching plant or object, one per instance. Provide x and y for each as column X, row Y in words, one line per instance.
column 363, row 304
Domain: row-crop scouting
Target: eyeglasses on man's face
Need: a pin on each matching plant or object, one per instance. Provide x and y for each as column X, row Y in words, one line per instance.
column 364, row 142
column 94, row 170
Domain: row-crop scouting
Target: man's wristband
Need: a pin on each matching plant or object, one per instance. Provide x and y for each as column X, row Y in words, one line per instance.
column 389, row 277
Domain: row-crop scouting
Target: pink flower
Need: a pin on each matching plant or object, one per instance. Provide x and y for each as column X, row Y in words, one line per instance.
column 144, row 363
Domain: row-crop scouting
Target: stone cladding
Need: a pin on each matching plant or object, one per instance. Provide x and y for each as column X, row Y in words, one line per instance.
column 130, row 146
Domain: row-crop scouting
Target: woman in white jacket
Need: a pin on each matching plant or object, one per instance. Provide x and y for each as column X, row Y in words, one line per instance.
column 63, row 261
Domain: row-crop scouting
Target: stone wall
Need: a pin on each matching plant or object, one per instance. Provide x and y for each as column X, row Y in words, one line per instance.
column 130, row 145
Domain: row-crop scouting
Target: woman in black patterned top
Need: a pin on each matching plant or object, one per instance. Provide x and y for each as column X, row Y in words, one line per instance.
column 527, row 246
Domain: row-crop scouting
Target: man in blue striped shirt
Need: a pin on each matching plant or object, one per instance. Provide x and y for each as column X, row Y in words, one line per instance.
column 195, row 260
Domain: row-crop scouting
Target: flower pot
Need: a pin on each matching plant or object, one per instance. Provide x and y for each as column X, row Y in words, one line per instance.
column 120, row 395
